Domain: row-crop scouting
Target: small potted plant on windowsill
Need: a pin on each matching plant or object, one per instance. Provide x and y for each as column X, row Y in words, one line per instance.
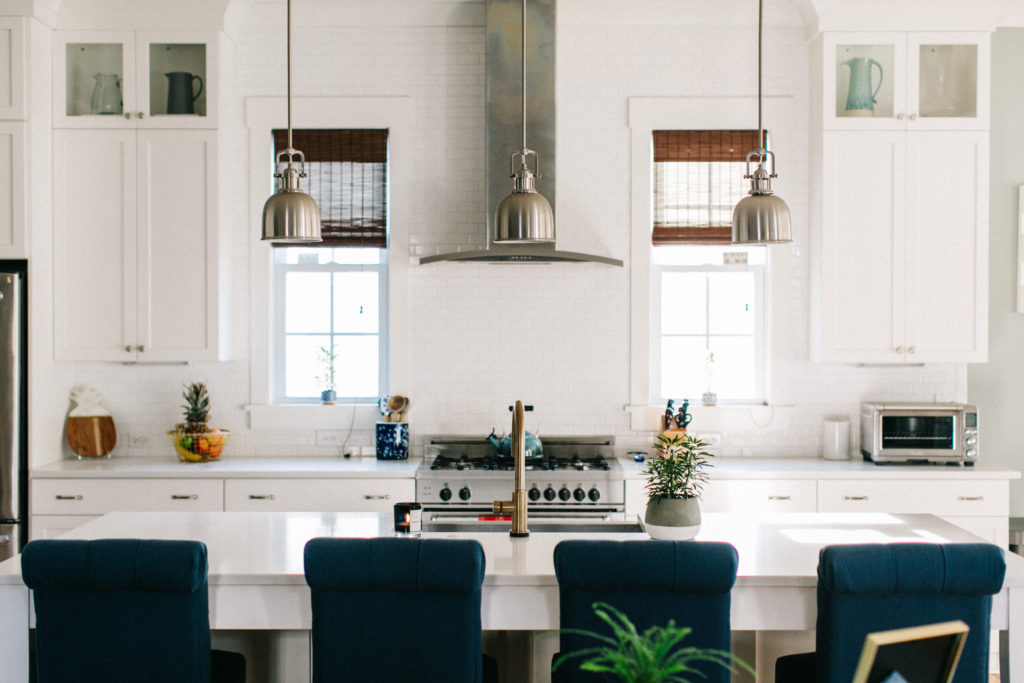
column 675, row 478
column 654, row 656
column 327, row 357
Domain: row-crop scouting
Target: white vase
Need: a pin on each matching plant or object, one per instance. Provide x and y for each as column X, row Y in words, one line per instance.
column 672, row 519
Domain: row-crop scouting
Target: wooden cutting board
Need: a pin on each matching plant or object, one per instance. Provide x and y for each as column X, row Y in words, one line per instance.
column 91, row 437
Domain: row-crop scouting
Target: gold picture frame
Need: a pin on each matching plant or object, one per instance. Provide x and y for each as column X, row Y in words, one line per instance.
column 925, row 654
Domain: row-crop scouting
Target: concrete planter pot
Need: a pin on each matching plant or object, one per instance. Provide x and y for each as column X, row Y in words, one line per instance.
column 672, row 519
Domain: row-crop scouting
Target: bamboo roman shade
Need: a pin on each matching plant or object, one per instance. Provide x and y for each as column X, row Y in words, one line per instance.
column 698, row 179
column 347, row 172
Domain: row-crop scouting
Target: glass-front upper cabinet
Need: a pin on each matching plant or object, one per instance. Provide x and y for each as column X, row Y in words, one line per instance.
column 138, row 79
column 916, row 80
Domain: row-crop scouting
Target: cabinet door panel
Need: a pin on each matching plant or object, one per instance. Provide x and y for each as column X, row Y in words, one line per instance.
column 12, row 190
column 946, row 498
column 12, row 68
column 947, row 247
column 99, row 496
column 862, row 276
column 94, row 245
column 759, row 495
column 316, row 495
column 177, row 247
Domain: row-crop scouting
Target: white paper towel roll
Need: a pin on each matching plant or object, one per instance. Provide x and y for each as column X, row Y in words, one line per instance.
column 835, row 438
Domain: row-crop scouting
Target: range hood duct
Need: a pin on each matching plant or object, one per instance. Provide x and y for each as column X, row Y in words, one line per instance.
column 504, row 123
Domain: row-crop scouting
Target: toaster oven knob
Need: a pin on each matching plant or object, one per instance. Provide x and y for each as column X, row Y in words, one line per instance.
column 594, row 494
column 533, row 493
column 971, row 441
column 549, row 493
column 465, row 493
column 445, row 494
column 579, row 494
column 564, row 493
column 971, row 453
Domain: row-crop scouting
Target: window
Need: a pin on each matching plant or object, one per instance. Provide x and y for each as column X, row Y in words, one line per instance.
column 708, row 295
column 333, row 296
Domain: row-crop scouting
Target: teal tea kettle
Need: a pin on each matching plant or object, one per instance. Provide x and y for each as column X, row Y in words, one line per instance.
column 860, row 100
column 532, row 446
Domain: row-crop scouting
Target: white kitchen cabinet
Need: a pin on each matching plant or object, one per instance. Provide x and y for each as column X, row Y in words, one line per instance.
column 13, row 78
column 759, row 495
column 59, row 505
column 135, row 245
column 120, row 79
column 919, row 80
column 13, row 174
column 323, row 495
column 903, row 248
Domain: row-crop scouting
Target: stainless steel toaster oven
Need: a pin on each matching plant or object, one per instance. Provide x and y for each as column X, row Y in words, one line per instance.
column 919, row 432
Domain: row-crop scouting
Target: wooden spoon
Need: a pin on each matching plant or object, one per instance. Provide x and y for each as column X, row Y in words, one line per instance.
column 405, row 409
column 397, row 405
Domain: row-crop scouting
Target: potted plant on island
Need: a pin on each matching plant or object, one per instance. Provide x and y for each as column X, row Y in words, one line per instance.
column 193, row 439
column 674, row 482
column 654, row 656
column 328, row 356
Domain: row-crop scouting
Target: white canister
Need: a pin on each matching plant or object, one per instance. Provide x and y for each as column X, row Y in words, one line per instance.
column 835, row 438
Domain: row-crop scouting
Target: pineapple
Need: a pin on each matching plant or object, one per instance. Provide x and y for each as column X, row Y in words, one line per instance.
column 197, row 408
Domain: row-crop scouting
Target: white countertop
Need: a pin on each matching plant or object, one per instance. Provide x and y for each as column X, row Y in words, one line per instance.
column 817, row 468
column 228, row 467
column 266, row 548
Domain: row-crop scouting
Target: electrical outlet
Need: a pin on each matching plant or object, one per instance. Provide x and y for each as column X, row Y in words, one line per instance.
column 329, row 437
column 138, row 440
column 710, row 438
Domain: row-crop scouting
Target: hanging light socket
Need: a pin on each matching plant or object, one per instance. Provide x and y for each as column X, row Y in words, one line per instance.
column 291, row 215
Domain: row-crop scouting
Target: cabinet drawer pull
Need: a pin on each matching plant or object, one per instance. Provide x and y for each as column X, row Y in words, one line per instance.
column 263, row 496
column 855, row 497
column 780, row 497
column 381, row 497
column 184, row 496
column 77, row 496
column 970, row 497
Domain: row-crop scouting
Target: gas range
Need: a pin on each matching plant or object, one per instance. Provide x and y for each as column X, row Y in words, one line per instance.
column 573, row 475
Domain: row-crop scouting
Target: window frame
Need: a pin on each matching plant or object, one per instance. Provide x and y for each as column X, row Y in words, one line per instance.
column 760, row 327
column 281, row 271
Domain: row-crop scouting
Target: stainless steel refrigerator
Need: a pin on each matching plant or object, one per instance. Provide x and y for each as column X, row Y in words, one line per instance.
column 13, row 465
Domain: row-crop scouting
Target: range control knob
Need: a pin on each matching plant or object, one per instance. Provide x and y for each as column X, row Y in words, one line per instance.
column 445, row 494
column 549, row 493
column 564, row 493
column 594, row 494
column 533, row 493
column 465, row 493
column 579, row 494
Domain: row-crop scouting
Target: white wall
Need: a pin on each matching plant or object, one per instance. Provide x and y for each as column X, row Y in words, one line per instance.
column 996, row 386
column 556, row 336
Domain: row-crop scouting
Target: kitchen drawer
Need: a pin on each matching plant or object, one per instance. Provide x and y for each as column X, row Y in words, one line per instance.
column 98, row 496
column 52, row 526
column 945, row 498
column 317, row 495
column 759, row 495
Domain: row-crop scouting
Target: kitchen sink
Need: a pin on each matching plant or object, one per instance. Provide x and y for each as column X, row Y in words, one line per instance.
column 560, row 527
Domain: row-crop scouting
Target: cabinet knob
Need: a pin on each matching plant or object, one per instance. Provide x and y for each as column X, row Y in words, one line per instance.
column 972, row 498
column 128, row 348
column 140, row 348
column 371, row 497
column 913, row 117
column 127, row 114
column 77, row 496
column 265, row 496
column 184, row 496
column 899, row 117
column 139, row 115
column 899, row 349
column 855, row 497
column 780, row 497
column 911, row 349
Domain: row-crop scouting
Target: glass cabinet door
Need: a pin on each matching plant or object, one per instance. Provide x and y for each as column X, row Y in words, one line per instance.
column 177, row 79
column 95, row 79
column 864, row 84
column 950, row 80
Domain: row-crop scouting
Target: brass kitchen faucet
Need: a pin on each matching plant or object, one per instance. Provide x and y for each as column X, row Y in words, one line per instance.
column 517, row 506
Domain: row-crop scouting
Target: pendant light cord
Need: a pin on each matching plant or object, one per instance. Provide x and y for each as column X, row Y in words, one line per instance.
column 524, row 75
column 289, row 63
column 760, row 49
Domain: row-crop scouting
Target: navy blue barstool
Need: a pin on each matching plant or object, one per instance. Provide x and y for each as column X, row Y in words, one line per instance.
column 395, row 609
column 123, row 610
column 652, row 582
column 878, row 587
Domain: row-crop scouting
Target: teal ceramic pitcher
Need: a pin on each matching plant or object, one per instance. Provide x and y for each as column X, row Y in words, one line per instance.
column 860, row 100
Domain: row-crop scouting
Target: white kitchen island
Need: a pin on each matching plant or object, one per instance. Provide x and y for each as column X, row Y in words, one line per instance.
column 256, row 575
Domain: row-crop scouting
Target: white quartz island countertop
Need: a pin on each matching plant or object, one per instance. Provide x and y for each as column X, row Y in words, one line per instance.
column 228, row 467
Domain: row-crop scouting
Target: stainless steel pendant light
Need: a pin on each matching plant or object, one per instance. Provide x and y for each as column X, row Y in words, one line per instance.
column 291, row 215
column 524, row 216
column 761, row 217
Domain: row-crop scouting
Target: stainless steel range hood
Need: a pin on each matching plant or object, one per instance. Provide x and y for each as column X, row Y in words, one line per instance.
column 504, row 123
